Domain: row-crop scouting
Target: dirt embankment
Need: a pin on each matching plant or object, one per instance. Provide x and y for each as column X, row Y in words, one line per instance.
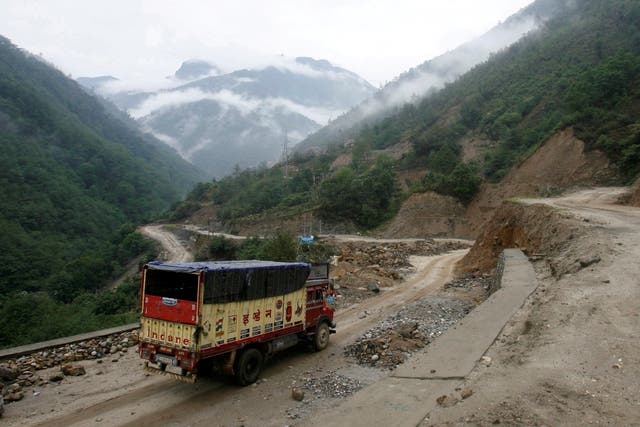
column 633, row 199
column 427, row 215
column 539, row 230
column 559, row 164
column 570, row 355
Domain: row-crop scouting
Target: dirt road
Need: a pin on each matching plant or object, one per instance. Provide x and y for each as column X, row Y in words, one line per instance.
column 118, row 392
column 572, row 355
column 172, row 249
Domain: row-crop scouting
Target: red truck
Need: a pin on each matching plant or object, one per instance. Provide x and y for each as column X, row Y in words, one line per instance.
column 230, row 316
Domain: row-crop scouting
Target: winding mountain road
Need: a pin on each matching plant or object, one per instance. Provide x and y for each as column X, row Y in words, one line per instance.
column 119, row 392
column 173, row 250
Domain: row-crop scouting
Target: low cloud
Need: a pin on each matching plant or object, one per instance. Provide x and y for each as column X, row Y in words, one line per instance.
column 170, row 99
column 446, row 68
column 228, row 99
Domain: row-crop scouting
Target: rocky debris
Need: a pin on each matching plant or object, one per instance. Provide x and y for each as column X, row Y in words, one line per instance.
column 85, row 350
column 373, row 287
column 71, row 370
column 1, row 400
column 21, row 371
column 466, row 393
column 388, row 259
column 8, row 373
column 332, row 385
column 447, row 400
column 13, row 393
column 297, row 394
column 470, row 280
column 588, row 260
column 56, row 378
column 359, row 265
column 392, row 341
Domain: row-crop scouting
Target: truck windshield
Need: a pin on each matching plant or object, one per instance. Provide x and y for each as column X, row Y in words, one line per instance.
column 171, row 284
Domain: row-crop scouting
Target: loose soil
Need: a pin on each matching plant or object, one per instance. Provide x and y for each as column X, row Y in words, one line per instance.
column 571, row 355
column 429, row 214
column 559, row 164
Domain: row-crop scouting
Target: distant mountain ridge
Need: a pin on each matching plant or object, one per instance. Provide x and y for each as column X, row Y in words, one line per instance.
column 196, row 68
column 220, row 120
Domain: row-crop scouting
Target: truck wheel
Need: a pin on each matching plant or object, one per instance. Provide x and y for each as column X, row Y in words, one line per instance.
column 321, row 339
column 249, row 366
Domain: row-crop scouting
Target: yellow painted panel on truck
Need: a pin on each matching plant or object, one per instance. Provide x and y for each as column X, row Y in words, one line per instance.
column 236, row 321
column 170, row 334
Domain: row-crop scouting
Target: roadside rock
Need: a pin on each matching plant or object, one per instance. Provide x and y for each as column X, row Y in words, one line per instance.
column 13, row 393
column 373, row 287
column 72, row 370
column 588, row 260
column 8, row 372
column 56, row 378
column 466, row 393
column 297, row 394
column 84, row 350
column 447, row 401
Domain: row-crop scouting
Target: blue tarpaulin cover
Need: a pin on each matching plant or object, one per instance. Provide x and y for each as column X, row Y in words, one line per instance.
column 195, row 267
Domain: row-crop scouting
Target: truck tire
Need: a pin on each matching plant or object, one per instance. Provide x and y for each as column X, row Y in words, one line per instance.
column 321, row 338
column 249, row 366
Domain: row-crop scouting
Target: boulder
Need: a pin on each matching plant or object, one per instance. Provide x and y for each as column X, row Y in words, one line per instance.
column 297, row 394
column 71, row 370
column 8, row 373
column 373, row 287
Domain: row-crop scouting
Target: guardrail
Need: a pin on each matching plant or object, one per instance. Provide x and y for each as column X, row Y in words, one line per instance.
column 39, row 346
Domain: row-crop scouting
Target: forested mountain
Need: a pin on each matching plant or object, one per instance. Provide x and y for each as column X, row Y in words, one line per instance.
column 74, row 180
column 430, row 76
column 579, row 69
column 218, row 121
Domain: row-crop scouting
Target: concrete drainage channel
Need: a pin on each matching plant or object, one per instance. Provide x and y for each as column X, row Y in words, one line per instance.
column 410, row 393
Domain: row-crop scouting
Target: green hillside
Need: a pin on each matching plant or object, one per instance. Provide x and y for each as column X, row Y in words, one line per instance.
column 74, row 180
column 580, row 69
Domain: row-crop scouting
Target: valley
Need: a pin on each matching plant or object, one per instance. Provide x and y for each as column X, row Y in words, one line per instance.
column 567, row 356
column 480, row 212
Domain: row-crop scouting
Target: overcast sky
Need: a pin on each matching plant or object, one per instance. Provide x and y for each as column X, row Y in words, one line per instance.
column 149, row 39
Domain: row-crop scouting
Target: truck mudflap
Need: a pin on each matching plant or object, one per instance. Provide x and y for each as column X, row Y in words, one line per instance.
column 189, row 377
